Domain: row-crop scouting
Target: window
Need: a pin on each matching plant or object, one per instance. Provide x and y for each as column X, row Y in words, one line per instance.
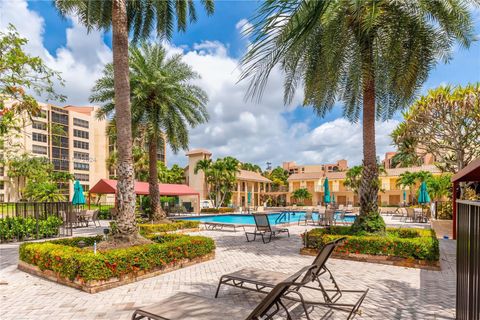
column 80, row 123
column 61, row 165
column 39, row 137
column 39, row 125
column 42, row 114
column 60, row 141
column 85, row 187
column 81, row 166
column 39, row 149
column 2, row 171
column 77, row 155
column 80, row 133
column 60, row 153
column 80, row 144
column 82, row 177
column 60, row 118
column 2, row 185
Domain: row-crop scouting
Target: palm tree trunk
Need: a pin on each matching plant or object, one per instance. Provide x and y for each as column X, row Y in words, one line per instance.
column 156, row 209
column 127, row 229
column 369, row 182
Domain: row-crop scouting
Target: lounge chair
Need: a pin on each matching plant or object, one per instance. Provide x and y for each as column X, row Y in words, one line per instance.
column 263, row 228
column 262, row 281
column 307, row 217
column 327, row 219
column 349, row 208
column 186, row 306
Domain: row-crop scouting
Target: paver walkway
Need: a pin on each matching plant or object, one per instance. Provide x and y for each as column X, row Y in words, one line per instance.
column 395, row 292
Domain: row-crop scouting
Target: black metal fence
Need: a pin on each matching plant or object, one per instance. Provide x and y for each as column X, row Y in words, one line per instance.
column 40, row 211
column 468, row 260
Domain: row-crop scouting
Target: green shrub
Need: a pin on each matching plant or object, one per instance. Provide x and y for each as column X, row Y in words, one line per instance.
column 371, row 223
column 19, row 228
column 398, row 242
column 63, row 258
column 149, row 228
column 217, row 210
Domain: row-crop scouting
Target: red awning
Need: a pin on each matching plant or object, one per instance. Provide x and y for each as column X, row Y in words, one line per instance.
column 470, row 173
column 107, row 186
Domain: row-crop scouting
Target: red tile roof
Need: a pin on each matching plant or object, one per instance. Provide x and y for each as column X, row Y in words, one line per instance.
column 107, row 186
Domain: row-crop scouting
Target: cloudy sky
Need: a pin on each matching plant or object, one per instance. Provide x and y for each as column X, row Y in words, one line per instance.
column 252, row 132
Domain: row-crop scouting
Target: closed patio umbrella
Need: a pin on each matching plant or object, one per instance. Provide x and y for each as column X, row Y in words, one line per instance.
column 423, row 196
column 326, row 196
column 78, row 197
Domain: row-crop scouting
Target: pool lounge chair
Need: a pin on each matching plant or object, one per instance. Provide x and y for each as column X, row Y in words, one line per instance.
column 187, row 306
column 263, row 228
column 262, row 281
column 307, row 217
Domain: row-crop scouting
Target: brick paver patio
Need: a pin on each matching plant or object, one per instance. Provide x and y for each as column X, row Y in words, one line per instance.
column 395, row 292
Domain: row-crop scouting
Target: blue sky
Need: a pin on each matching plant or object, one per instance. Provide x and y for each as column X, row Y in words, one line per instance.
column 262, row 132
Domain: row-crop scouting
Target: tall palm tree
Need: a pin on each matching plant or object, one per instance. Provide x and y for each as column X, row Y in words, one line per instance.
column 408, row 179
column 372, row 55
column 165, row 104
column 140, row 17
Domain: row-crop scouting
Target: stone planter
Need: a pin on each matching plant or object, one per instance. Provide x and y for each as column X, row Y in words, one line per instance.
column 393, row 261
column 95, row 286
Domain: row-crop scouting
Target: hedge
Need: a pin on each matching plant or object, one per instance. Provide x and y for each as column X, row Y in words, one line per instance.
column 148, row 228
column 82, row 264
column 217, row 210
column 19, row 228
column 398, row 242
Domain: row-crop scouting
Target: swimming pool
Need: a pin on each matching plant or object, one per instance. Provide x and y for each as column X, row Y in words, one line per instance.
column 248, row 219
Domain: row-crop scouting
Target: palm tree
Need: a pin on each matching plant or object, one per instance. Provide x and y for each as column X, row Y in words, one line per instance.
column 301, row 194
column 372, row 55
column 353, row 178
column 408, row 179
column 140, row 17
column 164, row 105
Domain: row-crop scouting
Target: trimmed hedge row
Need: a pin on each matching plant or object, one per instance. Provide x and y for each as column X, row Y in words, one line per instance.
column 83, row 265
column 148, row 228
column 20, row 228
column 217, row 210
column 398, row 242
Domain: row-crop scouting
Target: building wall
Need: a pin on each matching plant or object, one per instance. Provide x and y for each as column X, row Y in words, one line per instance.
column 70, row 137
column 197, row 180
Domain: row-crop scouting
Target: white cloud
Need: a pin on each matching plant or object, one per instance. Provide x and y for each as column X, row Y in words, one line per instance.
column 243, row 26
column 80, row 61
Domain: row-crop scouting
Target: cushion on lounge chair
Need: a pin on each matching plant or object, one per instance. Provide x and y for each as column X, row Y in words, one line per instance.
column 187, row 306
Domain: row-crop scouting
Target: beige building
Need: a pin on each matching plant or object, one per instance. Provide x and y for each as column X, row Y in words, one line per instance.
column 248, row 182
column 292, row 167
column 70, row 137
column 391, row 194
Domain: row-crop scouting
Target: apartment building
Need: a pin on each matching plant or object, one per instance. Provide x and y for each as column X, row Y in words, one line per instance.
column 292, row 167
column 70, row 137
column 390, row 193
column 249, row 186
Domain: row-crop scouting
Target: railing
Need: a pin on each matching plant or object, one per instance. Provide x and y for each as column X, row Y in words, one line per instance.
column 468, row 260
column 40, row 211
column 284, row 216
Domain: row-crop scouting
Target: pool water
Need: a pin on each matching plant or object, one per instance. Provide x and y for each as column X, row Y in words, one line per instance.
column 248, row 219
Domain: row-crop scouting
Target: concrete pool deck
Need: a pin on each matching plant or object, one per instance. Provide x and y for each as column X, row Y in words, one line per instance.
column 395, row 292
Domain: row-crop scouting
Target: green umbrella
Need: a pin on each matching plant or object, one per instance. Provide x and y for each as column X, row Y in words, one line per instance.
column 423, row 196
column 326, row 196
column 249, row 197
column 404, row 195
column 78, row 197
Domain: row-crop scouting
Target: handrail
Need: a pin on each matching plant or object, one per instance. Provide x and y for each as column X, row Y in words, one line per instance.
column 283, row 216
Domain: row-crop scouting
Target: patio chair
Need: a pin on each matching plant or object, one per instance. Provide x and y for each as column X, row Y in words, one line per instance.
column 349, row 208
column 340, row 218
column 187, row 306
column 307, row 217
column 327, row 219
column 263, row 228
column 92, row 216
column 410, row 214
column 262, row 281
column 341, row 207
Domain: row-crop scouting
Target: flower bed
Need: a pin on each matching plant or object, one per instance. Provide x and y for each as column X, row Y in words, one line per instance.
column 217, row 210
column 63, row 261
column 398, row 246
column 19, row 228
column 186, row 225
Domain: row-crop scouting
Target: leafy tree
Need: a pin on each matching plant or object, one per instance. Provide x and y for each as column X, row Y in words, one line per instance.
column 278, row 176
column 250, row 167
column 220, row 176
column 408, row 179
column 301, row 194
column 20, row 75
column 439, row 186
column 353, row 178
column 445, row 123
column 164, row 102
column 141, row 18
column 372, row 55
column 407, row 155
column 173, row 175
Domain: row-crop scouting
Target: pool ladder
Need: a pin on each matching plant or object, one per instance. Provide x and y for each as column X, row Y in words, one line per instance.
column 284, row 216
